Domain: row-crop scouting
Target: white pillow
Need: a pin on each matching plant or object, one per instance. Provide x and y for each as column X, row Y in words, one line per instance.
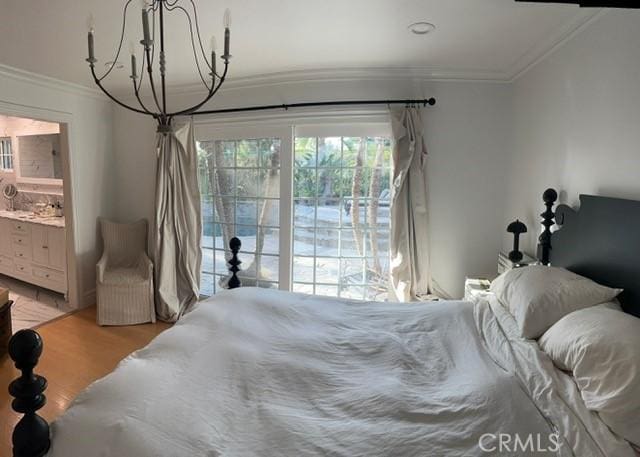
column 538, row 296
column 601, row 346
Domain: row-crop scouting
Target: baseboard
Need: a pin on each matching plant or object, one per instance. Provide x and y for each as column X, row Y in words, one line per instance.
column 88, row 299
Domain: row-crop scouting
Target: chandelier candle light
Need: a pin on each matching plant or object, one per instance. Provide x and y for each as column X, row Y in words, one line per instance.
column 152, row 10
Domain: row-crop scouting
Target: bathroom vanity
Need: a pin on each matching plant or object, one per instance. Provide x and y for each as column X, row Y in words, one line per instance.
column 33, row 249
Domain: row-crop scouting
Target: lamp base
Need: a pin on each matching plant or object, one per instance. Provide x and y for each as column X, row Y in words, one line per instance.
column 515, row 256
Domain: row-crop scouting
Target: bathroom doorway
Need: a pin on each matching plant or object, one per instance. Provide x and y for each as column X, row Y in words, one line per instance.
column 33, row 222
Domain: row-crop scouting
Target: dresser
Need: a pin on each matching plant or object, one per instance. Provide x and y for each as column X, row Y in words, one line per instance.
column 34, row 250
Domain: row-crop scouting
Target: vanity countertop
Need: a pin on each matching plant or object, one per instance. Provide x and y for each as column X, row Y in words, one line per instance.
column 27, row 216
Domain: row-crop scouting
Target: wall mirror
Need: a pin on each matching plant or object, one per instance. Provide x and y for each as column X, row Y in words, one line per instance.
column 39, row 157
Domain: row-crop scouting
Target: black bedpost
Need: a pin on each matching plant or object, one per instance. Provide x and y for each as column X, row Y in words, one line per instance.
column 544, row 247
column 31, row 434
column 234, row 262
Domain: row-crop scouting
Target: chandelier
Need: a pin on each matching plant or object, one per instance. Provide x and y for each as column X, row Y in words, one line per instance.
column 153, row 30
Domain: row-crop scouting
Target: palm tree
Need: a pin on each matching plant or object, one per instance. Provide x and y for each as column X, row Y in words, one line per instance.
column 374, row 204
column 355, row 198
column 219, row 181
column 272, row 182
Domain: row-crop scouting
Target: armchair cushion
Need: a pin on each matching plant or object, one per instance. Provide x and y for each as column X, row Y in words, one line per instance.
column 123, row 276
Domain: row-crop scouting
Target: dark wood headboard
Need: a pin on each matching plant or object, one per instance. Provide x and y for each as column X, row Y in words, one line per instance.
column 601, row 240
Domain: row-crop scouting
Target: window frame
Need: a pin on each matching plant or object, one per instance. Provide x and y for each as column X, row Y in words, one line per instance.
column 287, row 128
column 3, row 154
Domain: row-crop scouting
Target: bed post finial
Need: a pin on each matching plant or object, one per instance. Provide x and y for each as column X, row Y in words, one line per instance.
column 234, row 281
column 31, row 434
column 544, row 247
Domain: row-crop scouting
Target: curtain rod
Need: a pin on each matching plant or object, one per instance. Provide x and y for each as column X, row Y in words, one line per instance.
column 426, row 101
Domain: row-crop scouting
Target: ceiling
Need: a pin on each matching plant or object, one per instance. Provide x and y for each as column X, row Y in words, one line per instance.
column 488, row 39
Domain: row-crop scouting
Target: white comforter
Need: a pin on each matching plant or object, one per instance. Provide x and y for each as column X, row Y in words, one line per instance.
column 257, row 372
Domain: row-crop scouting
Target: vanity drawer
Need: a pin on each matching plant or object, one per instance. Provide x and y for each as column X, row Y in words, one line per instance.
column 6, row 264
column 48, row 274
column 23, row 269
column 20, row 228
column 22, row 252
column 22, row 240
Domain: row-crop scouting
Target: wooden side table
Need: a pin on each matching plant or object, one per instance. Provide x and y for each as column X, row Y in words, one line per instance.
column 5, row 327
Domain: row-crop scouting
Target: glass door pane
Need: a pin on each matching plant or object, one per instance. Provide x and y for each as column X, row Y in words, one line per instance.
column 341, row 199
column 240, row 193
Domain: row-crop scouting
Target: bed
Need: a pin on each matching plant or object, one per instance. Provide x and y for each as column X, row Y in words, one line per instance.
column 255, row 372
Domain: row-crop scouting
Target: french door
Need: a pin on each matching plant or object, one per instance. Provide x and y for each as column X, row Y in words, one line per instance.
column 310, row 204
column 243, row 175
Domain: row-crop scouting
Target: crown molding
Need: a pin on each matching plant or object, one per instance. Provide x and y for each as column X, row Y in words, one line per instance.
column 407, row 74
column 326, row 75
column 48, row 82
column 414, row 74
column 544, row 49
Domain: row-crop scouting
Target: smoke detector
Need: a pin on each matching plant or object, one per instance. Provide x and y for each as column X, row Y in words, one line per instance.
column 421, row 28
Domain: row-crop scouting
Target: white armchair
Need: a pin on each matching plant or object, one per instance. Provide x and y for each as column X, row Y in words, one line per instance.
column 125, row 275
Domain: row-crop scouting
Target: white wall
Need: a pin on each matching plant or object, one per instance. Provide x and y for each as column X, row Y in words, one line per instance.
column 92, row 171
column 467, row 134
column 577, row 121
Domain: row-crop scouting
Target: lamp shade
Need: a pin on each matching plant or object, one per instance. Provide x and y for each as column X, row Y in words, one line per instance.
column 517, row 227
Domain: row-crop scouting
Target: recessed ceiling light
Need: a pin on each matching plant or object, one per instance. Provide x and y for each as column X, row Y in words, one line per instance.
column 421, row 27
column 118, row 65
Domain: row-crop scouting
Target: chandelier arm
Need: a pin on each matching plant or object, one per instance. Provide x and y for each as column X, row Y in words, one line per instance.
column 124, row 23
column 124, row 105
column 144, row 108
column 151, row 83
column 142, row 67
column 193, row 45
column 212, row 92
column 195, row 19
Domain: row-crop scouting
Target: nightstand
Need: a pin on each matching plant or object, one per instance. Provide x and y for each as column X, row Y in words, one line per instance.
column 504, row 264
column 475, row 288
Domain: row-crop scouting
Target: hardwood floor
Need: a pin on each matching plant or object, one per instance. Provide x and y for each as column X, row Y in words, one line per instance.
column 76, row 352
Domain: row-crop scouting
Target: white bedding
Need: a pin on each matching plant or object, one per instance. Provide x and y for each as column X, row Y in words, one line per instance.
column 258, row 372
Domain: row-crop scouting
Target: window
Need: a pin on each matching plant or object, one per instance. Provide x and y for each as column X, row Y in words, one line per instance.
column 6, row 155
column 341, row 216
column 240, row 182
column 310, row 204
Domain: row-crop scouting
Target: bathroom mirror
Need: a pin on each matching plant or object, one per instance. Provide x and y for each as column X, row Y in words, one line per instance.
column 39, row 157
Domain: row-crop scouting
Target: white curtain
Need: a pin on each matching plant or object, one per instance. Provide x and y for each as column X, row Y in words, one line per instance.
column 178, row 224
column 410, row 275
